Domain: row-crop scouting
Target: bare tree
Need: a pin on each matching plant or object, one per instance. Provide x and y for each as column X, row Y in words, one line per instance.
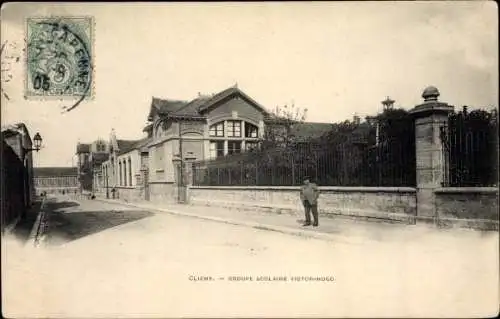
column 279, row 125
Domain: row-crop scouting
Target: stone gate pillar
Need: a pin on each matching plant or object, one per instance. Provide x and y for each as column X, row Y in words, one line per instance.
column 188, row 175
column 429, row 117
column 183, row 177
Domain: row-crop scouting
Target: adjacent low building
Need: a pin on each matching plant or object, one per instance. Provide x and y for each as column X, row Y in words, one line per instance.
column 17, row 189
column 56, row 180
column 124, row 174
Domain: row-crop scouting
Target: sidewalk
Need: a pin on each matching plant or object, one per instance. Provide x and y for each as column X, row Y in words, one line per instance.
column 24, row 228
column 330, row 228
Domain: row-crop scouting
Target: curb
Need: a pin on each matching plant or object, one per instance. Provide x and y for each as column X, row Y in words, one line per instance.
column 35, row 231
column 280, row 229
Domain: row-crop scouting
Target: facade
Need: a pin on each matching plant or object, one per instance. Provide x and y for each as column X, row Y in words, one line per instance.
column 17, row 189
column 122, row 174
column 180, row 132
column 209, row 126
column 56, row 180
column 90, row 158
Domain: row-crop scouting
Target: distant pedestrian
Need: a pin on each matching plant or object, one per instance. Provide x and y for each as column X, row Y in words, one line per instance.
column 309, row 194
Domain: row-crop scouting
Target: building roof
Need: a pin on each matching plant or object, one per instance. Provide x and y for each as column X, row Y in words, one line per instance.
column 126, row 146
column 197, row 107
column 309, row 130
column 234, row 90
column 54, row 171
column 192, row 108
column 164, row 106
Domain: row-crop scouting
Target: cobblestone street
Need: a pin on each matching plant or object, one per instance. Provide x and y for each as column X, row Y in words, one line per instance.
column 106, row 259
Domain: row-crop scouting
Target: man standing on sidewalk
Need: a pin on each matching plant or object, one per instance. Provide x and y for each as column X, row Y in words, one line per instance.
column 309, row 194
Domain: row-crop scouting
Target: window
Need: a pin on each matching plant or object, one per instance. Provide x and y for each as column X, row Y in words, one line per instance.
column 234, row 128
column 217, row 130
column 233, row 147
column 124, row 172
column 120, row 169
column 251, row 130
column 130, row 172
column 216, row 149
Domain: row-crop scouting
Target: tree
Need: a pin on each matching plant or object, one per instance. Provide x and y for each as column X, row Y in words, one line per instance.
column 279, row 126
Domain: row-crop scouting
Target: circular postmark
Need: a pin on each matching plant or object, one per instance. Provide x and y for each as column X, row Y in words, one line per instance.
column 59, row 60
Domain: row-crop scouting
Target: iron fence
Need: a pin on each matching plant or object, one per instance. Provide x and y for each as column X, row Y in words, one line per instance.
column 470, row 149
column 389, row 163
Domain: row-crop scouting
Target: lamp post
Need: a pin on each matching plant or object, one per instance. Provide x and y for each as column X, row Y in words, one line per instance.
column 38, row 144
column 37, row 139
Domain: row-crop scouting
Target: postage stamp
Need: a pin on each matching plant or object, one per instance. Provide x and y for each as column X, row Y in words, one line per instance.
column 59, row 58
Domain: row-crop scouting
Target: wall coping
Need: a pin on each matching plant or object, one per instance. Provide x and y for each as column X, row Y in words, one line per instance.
column 161, row 182
column 322, row 188
column 448, row 190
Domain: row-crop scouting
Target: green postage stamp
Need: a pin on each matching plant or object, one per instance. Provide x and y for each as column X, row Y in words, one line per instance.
column 59, row 58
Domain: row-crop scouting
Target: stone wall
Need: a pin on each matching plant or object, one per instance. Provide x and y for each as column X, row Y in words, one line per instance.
column 462, row 207
column 163, row 192
column 476, row 206
column 128, row 193
column 375, row 202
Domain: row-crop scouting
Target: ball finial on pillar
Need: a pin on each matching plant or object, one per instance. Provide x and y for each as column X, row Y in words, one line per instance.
column 430, row 94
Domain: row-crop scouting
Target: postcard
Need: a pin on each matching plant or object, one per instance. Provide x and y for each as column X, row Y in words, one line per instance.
column 250, row 159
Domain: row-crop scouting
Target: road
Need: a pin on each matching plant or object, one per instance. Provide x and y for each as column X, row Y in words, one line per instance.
column 105, row 260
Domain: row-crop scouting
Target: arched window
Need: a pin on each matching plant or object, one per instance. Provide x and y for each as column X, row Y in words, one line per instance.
column 251, row 130
column 120, row 169
column 124, row 163
column 232, row 136
column 217, row 130
column 234, row 128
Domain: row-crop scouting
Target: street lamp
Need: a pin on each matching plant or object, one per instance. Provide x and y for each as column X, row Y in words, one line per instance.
column 37, row 139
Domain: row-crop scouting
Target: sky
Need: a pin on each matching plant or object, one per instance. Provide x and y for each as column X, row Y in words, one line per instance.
column 337, row 59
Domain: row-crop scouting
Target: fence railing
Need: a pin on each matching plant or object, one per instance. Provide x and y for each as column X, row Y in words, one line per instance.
column 470, row 149
column 390, row 163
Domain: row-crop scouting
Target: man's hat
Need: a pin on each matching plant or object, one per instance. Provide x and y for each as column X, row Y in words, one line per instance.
column 306, row 178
